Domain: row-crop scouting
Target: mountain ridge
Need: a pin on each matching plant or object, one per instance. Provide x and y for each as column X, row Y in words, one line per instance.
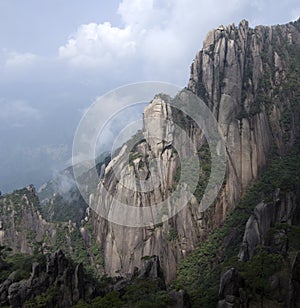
column 242, row 74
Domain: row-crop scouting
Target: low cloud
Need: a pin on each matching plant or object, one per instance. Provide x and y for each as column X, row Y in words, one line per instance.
column 52, row 152
column 20, row 60
column 64, row 183
column 17, row 113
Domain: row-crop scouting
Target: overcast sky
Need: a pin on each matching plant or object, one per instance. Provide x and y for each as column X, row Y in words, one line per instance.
column 57, row 56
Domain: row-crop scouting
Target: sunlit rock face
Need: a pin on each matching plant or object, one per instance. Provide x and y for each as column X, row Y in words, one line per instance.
column 241, row 74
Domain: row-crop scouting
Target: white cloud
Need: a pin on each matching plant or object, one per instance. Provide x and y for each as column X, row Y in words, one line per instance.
column 16, row 113
column 105, row 46
column 98, row 45
column 144, row 14
column 158, row 38
column 54, row 152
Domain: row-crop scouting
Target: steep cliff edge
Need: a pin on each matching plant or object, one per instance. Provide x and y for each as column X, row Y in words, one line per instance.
column 249, row 78
column 155, row 158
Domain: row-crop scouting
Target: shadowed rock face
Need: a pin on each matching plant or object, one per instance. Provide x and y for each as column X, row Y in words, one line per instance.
column 295, row 283
column 267, row 228
column 230, row 289
column 244, row 76
column 267, row 215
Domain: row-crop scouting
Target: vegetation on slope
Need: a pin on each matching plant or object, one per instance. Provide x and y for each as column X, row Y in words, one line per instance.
column 199, row 273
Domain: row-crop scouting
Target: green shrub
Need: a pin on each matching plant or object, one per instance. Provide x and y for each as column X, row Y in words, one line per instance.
column 172, row 234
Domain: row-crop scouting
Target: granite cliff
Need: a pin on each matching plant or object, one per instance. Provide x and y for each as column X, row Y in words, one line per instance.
column 248, row 78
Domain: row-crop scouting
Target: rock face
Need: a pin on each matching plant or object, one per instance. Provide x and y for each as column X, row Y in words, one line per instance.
column 241, row 73
column 124, row 247
column 63, row 282
column 246, row 78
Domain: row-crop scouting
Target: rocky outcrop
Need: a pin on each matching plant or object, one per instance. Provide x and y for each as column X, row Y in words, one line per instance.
column 244, row 76
column 284, row 209
column 231, row 293
column 267, row 239
column 151, row 272
column 60, row 283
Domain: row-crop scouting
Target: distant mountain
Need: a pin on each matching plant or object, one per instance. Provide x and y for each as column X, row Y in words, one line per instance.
column 60, row 198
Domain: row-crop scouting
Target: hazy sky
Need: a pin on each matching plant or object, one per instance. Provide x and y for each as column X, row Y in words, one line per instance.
column 57, row 56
